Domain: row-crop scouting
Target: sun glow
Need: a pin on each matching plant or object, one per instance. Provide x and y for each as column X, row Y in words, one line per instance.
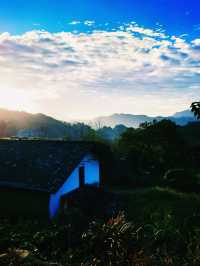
column 15, row 99
column 129, row 70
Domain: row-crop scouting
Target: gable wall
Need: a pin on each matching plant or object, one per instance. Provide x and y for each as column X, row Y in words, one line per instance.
column 92, row 176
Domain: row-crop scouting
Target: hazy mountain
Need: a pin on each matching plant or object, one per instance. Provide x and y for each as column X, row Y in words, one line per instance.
column 185, row 113
column 29, row 125
column 128, row 120
column 23, row 124
column 131, row 120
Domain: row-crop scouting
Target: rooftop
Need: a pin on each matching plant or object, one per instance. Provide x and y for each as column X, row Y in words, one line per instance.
column 41, row 165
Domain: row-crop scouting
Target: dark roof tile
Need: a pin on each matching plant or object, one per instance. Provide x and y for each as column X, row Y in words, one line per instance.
column 39, row 164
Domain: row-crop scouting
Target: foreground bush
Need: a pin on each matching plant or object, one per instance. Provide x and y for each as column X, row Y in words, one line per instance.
column 164, row 230
column 115, row 242
column 109, row 243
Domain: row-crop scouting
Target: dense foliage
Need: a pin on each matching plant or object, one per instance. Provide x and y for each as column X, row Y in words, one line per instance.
column 158, row 231
column 144, row 156
column 195, row 108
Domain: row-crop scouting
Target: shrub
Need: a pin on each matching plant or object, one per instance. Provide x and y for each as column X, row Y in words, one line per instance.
column 182, row 179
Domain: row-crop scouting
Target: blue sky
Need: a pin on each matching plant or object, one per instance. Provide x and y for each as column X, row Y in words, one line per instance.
column 177, row 17
column 128, row 56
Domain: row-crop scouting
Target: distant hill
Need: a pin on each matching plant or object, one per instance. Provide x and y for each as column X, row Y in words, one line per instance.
column 185, row 113
column 131, row 120
column 29, row 125
column 23, row 124
column 127, row 120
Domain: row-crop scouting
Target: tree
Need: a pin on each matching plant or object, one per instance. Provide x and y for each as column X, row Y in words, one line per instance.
column 195, row 108
column 152, row 150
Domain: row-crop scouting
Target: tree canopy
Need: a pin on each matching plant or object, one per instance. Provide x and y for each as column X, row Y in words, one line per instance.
column 195, row 108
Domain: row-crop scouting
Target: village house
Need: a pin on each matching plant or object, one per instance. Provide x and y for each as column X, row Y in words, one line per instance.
column 36, row 174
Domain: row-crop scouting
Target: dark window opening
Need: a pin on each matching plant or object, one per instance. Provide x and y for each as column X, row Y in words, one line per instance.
column 81, row 176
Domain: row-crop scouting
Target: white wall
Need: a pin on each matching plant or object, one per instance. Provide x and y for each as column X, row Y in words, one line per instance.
column 92, row 176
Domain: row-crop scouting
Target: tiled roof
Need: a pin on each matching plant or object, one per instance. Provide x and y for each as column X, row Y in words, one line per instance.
column 38, row 164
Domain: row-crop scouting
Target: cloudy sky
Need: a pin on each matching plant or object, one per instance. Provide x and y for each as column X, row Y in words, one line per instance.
column 81, row 59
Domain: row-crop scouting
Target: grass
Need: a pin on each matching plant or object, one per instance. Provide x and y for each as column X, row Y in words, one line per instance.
column 160, row 205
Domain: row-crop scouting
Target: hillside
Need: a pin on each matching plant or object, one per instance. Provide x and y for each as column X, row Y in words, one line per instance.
column 185, row 113
column 23, row 124
column 128, row 120
column 131, row 120
column 155, row 204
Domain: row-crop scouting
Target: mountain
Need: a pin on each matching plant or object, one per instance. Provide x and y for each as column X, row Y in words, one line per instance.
column 23, row 124
column 127, row 120
column 185, row 113
column 131, row 120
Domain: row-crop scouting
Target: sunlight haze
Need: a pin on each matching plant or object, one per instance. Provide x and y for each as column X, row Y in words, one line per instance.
column 80, row 65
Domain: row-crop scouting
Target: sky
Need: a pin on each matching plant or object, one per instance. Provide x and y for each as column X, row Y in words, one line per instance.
column 80, row 59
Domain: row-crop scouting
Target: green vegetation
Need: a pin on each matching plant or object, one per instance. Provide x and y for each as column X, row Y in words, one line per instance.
column 162, row 206
column 160, row 227
column 144, row 156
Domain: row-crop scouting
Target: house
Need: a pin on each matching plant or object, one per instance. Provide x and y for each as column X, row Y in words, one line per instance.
column 47, row 169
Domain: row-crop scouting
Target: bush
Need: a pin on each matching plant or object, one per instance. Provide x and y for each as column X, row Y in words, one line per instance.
column 115, row 242
column 110, row 243
column 165, row 231
column 118, row 242
column 182, row 179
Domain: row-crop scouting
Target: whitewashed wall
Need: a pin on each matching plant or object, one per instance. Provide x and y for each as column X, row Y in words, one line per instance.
column 92, row 176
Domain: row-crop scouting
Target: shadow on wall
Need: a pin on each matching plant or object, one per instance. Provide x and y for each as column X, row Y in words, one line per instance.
column 91, row 176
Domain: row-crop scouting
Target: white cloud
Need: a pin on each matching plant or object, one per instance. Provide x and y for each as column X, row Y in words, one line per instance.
column 75, row 22
column 89, row 22
column 83, row 75
column 196, row 42
column 141, row 30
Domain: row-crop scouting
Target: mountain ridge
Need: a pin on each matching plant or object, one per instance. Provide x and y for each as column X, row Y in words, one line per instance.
column 24, row 124
column 131, row 120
